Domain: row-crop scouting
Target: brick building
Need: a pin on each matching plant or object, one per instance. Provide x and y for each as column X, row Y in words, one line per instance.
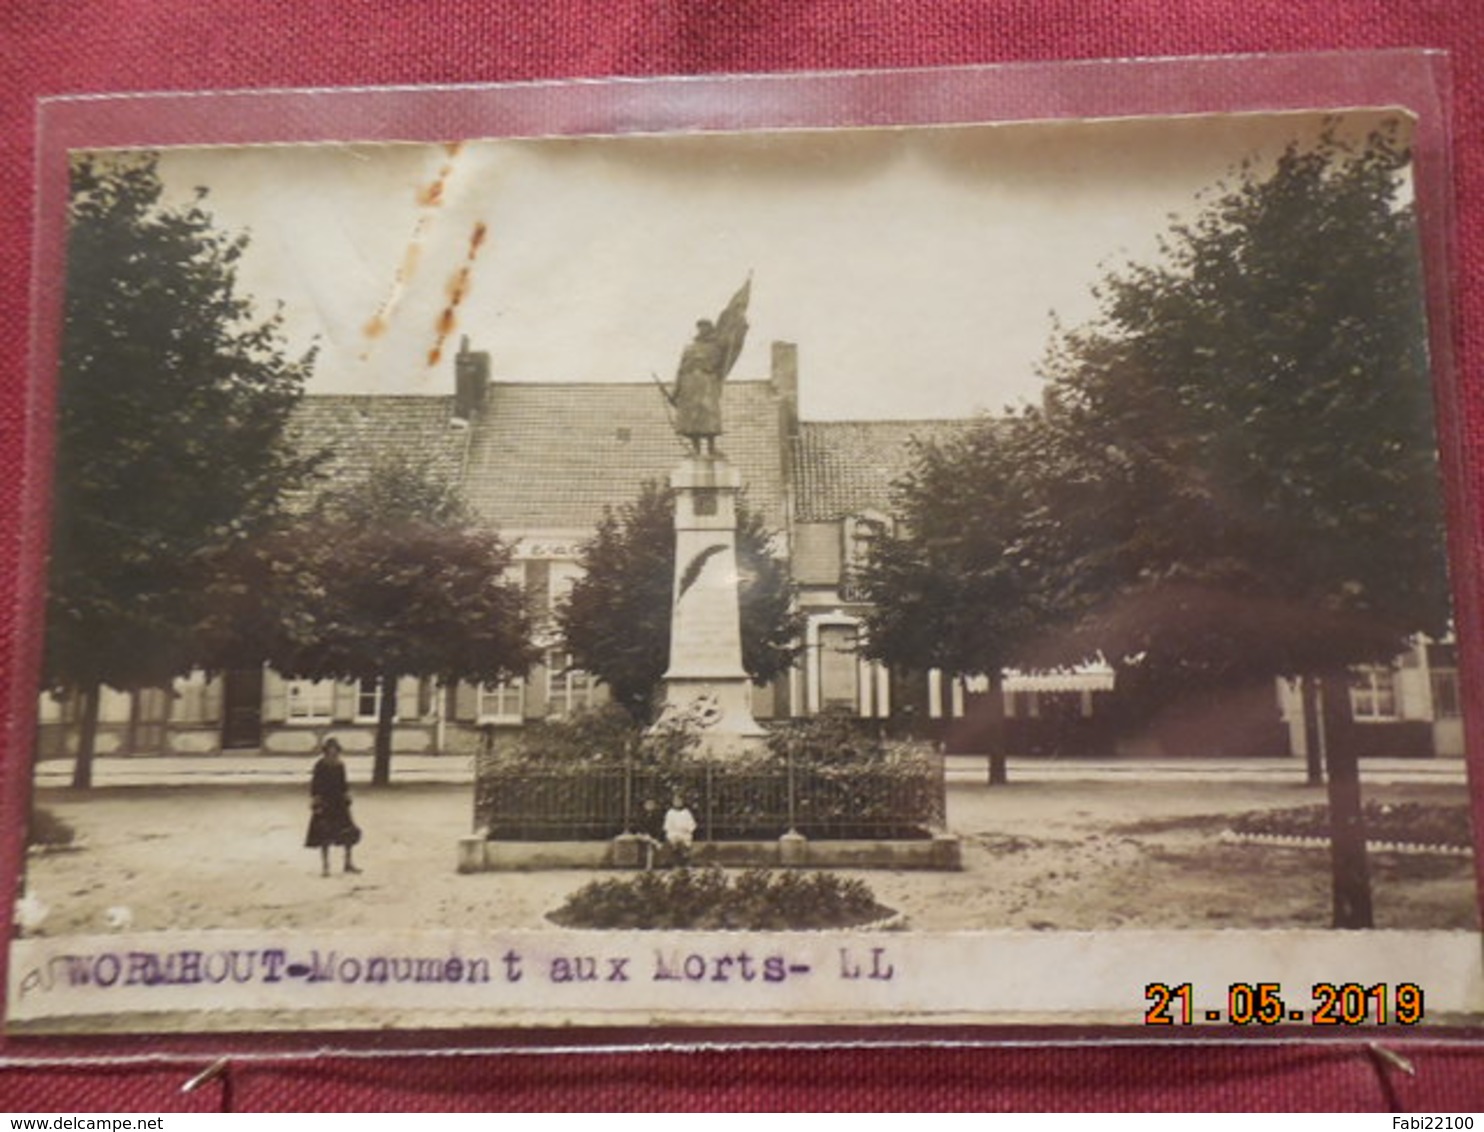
column 540, row 462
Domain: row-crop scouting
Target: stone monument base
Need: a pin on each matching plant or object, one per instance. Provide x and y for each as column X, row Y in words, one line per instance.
column 720, row 710
column 706, row 685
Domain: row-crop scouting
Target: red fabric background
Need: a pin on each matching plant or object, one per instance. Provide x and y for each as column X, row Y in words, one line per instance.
column 133, row 45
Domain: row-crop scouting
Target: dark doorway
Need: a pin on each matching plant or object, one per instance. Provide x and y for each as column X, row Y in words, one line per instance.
column 242, row 708
column 839, row 669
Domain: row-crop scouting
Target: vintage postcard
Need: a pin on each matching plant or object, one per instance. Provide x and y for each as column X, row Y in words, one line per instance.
column 977, row 573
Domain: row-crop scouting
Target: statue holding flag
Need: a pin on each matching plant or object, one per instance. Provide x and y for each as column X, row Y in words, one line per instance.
column 706, row 683
column 703, row 368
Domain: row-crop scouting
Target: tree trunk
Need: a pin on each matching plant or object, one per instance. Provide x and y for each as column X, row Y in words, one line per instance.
column 1309, row 699
column 995, row 734
column 945, row 705
column 386, row 717
column 909, row 704
column 1349, row 865
column 87, row 737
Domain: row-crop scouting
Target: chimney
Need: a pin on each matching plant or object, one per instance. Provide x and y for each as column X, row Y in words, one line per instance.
column 471, row 372
column 785, row 382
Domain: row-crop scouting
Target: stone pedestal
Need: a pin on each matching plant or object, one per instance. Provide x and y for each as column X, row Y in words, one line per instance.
column 793, row 850
column 471, row 854
column 706, row 681
column 628, row 851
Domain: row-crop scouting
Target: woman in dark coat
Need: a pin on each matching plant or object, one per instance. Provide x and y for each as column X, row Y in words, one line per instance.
column 329, row 808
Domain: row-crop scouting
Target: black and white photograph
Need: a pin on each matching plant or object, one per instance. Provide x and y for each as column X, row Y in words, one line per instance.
column 977, row 574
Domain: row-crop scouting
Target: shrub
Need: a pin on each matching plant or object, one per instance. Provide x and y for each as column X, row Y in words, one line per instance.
column 47, row 831
column 708, row 900
column 852, row 783
column 830, row 740
column 601, row 735
column 597, row 775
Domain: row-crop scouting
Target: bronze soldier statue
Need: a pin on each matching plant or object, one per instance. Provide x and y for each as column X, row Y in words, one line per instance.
column 703, row 368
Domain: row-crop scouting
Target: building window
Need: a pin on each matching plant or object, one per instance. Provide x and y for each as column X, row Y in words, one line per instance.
column 149, row 709
column 1373, row 694
column 502, row 703
column 861, row 535
column 864, row 531
column 368, row 700
column 310, row 701
column 194, row 700
column 567, row 688
column 58, row 707
column 1445, row 696
column 562, row 576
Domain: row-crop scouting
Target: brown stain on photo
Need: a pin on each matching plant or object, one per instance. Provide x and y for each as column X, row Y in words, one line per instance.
column 430, row 199
column 410, row 261
column 432, row 195
column 457, row 290
column 458, row 286
column 376, row 325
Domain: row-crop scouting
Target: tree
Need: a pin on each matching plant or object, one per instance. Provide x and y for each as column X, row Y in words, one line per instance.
column 616, row 620
column 172, row 400
column 1251, row 445
column 384, row 578
column 956, row 586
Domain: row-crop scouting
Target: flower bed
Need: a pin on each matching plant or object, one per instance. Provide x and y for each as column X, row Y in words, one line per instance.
column 1404, row 823
column 709, row 900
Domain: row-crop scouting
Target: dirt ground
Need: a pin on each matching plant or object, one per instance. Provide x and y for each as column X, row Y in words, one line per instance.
column 1074, row 855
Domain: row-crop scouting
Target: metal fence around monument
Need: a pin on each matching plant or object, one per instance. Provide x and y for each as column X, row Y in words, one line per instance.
column 890, row 801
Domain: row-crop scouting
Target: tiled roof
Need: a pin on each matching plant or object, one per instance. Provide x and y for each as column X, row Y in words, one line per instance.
column 551, row 456
column 554, row 455
column 356, row 430
column 845, row 467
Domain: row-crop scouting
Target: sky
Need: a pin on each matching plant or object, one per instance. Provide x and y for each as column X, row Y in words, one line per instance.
column 920, row 271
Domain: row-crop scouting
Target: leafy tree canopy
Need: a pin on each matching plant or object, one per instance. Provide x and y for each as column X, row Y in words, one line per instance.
column 403, row 582
column 1233, row 474
column 172, row 401
column 1252, row 455
column 1242, row 450
column 384, row 577
column 616, row 620
column 171, row 407
column 957, row 586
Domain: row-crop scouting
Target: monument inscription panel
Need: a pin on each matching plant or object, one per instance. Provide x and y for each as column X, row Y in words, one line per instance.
column 706, row 640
